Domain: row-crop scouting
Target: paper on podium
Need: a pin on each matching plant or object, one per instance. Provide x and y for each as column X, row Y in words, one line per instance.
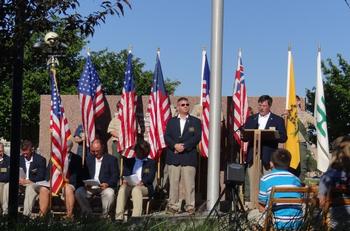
column 44, row 183
column 132, row 180
column 22, row 174
column 92, row 183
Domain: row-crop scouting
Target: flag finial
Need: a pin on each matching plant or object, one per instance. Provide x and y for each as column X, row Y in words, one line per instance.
column 289, row 47
column 88, row 51
column 319, row 48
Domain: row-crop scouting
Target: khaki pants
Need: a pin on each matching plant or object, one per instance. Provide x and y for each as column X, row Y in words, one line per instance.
column 137, row 194
column 176, row 175
column 4, row 197
column 30, row 195
column 107, row 198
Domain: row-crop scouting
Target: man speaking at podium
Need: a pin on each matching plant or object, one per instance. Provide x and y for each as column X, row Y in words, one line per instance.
column 265, row 119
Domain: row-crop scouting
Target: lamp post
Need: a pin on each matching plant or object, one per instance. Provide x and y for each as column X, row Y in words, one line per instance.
column 53, row 48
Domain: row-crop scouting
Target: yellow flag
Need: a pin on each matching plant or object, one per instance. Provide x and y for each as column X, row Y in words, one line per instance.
column 292, row 144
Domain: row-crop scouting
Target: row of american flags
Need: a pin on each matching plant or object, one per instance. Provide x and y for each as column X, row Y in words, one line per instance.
column 92, row 105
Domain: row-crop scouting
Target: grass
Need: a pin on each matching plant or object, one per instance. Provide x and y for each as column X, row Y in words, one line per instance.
column 95, row 224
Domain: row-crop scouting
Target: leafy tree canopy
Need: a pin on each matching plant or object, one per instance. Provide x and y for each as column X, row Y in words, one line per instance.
column 110, row 66
column 337, row 95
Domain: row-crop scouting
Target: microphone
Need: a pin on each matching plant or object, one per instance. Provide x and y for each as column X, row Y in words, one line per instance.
column 239, row 129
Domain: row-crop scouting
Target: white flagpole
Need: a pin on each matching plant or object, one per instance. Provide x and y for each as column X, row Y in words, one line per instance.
column 288, row 76
column 215, row 102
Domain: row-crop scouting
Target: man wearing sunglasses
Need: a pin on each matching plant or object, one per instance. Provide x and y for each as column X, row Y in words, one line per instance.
column 183, row 133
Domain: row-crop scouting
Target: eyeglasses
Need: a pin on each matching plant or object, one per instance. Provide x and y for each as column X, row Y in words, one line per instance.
column 185, row 104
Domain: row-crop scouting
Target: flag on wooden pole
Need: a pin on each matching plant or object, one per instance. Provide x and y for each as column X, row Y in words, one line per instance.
column 159, row 112
column 203, row 145
column 292, row 143
column 240, row 101
column 91, row 99
column 127, row 113
column 60, row 134
column 321, row 120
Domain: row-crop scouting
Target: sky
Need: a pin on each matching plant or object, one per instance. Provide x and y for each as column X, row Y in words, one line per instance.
column 262, row 29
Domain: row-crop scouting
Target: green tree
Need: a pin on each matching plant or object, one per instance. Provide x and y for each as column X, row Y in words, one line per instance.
column 337, row 95
column 111, row 68
column 109, row 65
column 19, row 21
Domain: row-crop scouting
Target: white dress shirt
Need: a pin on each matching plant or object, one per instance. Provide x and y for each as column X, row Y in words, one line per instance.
column 182, row 123
column 28, row 166
column 263, row 120
column 137, row 170
column 98, row 163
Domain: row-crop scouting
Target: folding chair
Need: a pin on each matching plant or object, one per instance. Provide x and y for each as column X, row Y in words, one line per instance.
column 335, row 198
column 307, row 202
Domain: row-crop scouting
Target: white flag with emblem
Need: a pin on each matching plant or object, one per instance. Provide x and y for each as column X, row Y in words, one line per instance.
column 321, row 120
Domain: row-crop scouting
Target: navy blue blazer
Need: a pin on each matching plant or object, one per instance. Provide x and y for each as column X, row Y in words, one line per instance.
column 267, row 147
column 75, row 170
column 5, row 169
column 109, row 172
column 37, row 168
column 190, row 137
column 148, row 172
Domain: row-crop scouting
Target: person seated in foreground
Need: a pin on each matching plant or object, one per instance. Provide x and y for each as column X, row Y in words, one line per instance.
column 336, row 177
column 69, row 186
column 144, row 170
column 34, row 167
column 285, row 216
column 103, row 169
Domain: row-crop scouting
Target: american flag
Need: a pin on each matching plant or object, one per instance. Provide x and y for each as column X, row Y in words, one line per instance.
column 60, row 134
column 159, row 112
column 91, row 99
column 203, row 146
column 127, row 113
column 240, row 101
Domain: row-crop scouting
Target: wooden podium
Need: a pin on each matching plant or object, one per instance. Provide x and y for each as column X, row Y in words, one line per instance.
column 256, row 136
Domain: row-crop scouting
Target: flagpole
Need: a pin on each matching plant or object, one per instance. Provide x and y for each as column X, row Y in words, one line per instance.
column 215, row 102
column 83, row 155
column 288, row 76
column 204, row 52
column 84, row 152
column 158, row 162
column 52, row 71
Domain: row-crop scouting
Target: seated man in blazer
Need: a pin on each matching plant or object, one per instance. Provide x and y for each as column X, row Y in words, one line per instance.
column 4, row 179
column 144, row 169
column 103, row 168
column 70, row 185
column 34, row 167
